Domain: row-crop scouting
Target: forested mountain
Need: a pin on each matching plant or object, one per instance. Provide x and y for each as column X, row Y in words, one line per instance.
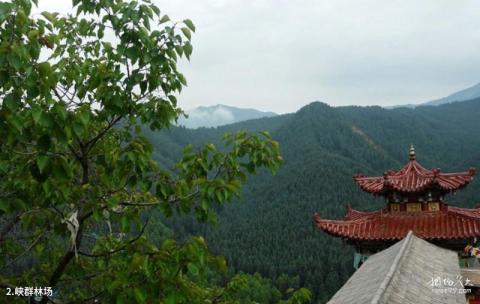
column 219, row 115
column 271, row 231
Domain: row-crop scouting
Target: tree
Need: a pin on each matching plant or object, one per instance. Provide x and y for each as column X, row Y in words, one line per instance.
column 77, row 180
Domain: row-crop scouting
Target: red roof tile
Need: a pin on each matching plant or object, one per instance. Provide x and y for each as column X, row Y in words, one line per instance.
column 452, row 223
column 414, row 178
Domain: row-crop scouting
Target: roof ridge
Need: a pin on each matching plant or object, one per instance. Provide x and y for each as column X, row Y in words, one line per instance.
column 393, row 269
column 463, row 212
column 421, row 169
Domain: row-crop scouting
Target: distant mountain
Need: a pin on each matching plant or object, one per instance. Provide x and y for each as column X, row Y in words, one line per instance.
column 467, row 94
column 218, row 115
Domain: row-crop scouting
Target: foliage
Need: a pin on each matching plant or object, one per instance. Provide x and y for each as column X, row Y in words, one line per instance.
column 77, row 179
column 250, row 289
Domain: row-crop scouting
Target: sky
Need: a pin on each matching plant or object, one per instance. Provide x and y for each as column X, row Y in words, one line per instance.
column 279, row 55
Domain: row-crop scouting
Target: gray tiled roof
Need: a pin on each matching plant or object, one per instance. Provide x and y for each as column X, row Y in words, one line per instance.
column 402, row 274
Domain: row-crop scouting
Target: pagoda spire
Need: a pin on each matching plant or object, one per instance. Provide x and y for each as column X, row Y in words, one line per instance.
column 414, row 179
column 412, row 152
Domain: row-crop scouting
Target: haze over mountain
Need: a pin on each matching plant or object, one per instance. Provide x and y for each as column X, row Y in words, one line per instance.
column 462, row 95
column 466, row 94
column 271, row 231
column 218, row 115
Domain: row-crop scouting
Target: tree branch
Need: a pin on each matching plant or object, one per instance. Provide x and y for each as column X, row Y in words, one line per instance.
column 87, row 300
column 25, row 252
column 9, row 226
column 97, row 255
column 62, row 265
column 92, row 141
column 6, row 285
column 87, row 277
column 57, row 273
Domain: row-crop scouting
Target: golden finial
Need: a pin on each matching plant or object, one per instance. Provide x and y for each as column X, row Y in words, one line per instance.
column 412, row 152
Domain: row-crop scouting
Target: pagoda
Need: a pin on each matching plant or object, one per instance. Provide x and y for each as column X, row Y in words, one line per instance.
column 415, row 200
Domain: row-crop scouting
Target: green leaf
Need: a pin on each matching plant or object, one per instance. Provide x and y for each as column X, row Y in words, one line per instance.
column 52, row 17
column 4, row 206
column 125, row 223
column 77, row 129
column 61, row 111
column 84, row 117
column 15, row 61
column 132, row 53
column 182, row 79
column 155, row 9
column 100, row 33
column 189, row 24
column 45, row 120
column 33, row 34
column 179, row 50
column 211, row 147
column 44, row 68
column 220, row 263
column 83, row 27
column 193, row 269
column 187, row 48
column 3, row 167
column 11, row 102
column 5, row 9
column 120, row 299
column 172, row 298
column 219, row 195
column 172, row 99
column 39, row 248
column 66, row 169
column 42, row 162
column 164, row 19
column 16, row 122
column 187, row 32
column 140, row 295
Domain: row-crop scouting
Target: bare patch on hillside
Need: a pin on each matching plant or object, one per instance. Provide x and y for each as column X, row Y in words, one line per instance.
column 370, row 141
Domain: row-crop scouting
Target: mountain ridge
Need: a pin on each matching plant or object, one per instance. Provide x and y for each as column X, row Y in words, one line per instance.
column 462, row 95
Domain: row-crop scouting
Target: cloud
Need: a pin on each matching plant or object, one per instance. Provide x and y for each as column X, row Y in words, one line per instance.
column 219, row 114
column 208, row 117
column 279, row 55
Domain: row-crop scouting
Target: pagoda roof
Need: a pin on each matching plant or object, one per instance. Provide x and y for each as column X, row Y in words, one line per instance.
column 401, row 274
column 450, row 223
column 413, row 177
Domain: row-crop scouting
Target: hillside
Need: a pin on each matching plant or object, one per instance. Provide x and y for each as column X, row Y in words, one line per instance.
column 270, row 230
column 219, row 115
